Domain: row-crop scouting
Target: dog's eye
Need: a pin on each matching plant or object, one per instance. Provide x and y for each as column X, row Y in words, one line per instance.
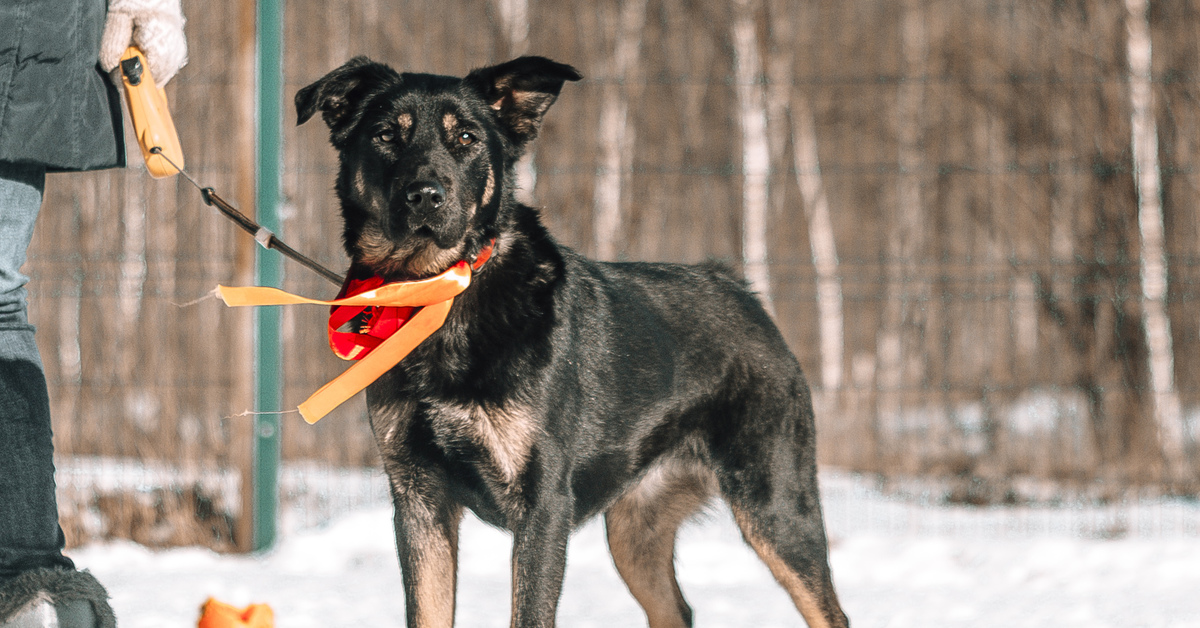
column 386, row 137
column 465, row 139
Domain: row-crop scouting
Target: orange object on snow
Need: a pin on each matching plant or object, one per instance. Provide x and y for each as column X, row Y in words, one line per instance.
column 215, row 614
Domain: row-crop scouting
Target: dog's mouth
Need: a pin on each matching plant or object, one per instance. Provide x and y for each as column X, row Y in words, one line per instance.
column 417, row 256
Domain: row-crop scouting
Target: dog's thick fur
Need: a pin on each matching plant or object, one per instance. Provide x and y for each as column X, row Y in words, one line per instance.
column 560, row 387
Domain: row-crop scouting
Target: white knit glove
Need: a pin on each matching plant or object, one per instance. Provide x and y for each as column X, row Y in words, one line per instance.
column 155, row 26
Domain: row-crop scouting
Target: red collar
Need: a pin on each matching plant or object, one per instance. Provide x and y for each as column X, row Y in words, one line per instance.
column 484, row 255
column 354, row 331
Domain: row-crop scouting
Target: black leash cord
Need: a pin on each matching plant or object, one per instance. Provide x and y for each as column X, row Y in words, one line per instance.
column 261, row 234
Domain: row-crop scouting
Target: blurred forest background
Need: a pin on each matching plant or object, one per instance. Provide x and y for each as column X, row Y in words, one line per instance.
column 975, row 223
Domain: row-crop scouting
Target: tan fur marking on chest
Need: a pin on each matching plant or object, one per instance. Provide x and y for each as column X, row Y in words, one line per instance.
column 506, row 433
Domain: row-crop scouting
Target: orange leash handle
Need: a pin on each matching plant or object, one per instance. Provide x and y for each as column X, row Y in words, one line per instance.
column 151, row 117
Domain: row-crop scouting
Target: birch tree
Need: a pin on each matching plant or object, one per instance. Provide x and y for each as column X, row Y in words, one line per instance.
column 756, row 155
column 822, row 243
column 616, row 135
column 1153, row 264
column 514, row 21
column 905, row 241
column 789, row 111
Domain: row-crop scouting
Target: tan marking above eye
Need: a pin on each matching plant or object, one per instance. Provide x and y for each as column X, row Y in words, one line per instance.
column 405, row 120
column 449, row 121
column 490, row 188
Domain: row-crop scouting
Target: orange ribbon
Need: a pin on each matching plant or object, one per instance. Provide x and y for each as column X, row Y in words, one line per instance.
column 434, row 296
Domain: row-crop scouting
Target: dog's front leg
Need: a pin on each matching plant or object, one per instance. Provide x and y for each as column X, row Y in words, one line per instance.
column 427, row 542
column 426, row 518
column 539, row 560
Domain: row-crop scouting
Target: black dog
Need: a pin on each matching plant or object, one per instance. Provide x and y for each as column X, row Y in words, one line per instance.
column 559, row 387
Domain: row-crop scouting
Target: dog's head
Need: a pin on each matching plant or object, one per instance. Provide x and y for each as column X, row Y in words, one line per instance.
column 426, row 161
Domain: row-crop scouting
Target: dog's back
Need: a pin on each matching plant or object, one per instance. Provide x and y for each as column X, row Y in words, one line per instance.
column 666, row 360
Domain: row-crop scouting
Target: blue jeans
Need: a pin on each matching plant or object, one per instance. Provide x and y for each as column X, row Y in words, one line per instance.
column 30, row 536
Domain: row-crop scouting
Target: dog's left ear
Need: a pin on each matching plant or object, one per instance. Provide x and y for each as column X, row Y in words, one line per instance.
column 520, row 91
column 337, row 93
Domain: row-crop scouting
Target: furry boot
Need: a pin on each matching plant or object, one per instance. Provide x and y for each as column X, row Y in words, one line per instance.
column 55, row 598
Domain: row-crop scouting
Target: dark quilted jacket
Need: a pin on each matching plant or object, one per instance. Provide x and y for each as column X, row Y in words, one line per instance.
column 57, row 108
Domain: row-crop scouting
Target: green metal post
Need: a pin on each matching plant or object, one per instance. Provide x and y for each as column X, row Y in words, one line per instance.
column 269, row 356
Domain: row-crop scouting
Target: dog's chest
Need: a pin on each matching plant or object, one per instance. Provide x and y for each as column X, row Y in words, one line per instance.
column 496, row 439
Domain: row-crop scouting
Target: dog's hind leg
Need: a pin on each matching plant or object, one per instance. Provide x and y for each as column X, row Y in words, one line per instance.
column 641, row 536
column 768, row 477
column 797, row 559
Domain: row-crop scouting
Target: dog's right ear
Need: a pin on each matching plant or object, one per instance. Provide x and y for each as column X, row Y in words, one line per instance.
column 335, row 93
column 520, row 91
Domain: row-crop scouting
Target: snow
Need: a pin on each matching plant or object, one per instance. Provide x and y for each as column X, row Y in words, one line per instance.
column 896, row 563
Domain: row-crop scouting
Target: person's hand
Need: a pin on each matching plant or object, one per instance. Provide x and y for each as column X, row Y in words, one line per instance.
column 155, row 26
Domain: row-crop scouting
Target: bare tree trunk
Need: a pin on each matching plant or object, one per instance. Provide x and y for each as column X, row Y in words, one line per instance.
column 1148, row 179
column 823, row 244
column 616, row 134
column 514, row 17
column 756, row 152
column 241, row 393
column 905, row 237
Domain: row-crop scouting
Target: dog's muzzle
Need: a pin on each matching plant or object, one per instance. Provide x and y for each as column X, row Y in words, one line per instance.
column 429, row 212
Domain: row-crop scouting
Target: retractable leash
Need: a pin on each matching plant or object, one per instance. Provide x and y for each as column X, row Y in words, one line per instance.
column 372, row 321
column 155, row 131
column 261, row 234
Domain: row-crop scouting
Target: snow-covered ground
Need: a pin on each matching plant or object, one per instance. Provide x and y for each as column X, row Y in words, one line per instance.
column 895, row 563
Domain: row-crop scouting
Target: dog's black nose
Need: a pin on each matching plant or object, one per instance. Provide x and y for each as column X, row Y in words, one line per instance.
column 424, row 195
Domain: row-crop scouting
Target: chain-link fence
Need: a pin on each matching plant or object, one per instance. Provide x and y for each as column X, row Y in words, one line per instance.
column 975, row 224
